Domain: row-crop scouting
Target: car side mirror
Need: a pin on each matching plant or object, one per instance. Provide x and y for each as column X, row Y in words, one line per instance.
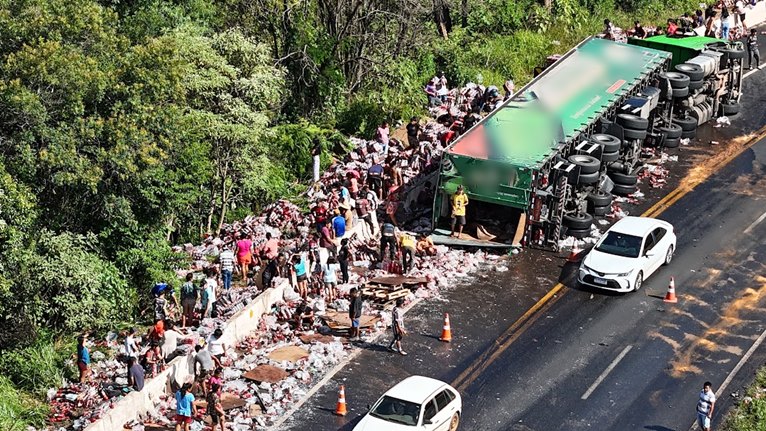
column 427, row 422
column 369, row 407
column 649, row 253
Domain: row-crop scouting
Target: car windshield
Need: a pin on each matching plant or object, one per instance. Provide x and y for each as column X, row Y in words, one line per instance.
column 620, row 244
column 396, row 410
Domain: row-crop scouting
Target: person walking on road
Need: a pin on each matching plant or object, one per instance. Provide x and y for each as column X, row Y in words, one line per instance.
column 459, row 202
column 705, row 406
column 355, row 313
column 397, row 325
column 752, row 50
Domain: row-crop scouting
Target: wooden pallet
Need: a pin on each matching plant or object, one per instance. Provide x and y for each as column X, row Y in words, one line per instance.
column 384, row 295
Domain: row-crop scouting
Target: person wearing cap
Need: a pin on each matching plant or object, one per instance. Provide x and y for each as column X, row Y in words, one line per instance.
column 348, row 215
column 459, row 202
column 375, row 178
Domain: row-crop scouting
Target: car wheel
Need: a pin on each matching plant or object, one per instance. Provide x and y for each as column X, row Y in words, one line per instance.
column 639, row 281
column 578, row 221
column 454, row 422
column 730, row 109
column 669, row 255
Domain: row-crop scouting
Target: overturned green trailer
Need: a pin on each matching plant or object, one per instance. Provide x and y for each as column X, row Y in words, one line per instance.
column 547, row 160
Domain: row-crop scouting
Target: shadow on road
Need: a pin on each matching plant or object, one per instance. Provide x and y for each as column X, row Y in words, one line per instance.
column 658, row 428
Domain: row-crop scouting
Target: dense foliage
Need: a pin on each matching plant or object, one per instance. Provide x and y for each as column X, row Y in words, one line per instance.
column 126, row 127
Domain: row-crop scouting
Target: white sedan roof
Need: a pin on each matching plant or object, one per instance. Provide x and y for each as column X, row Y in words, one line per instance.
column 638, row 226
column 415, row 389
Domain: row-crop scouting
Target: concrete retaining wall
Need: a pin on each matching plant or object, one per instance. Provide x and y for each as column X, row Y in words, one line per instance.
column 239, row 326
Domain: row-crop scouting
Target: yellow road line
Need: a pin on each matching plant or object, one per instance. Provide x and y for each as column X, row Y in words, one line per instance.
column 518, row 327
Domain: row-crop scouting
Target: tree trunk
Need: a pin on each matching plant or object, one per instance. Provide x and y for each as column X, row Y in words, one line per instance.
column 464, row 13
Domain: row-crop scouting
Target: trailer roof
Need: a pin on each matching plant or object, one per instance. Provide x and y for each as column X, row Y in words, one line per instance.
column 573, row 93
column 697, row 43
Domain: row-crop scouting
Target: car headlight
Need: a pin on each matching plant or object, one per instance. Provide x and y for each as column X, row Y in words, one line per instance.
column 624, row 274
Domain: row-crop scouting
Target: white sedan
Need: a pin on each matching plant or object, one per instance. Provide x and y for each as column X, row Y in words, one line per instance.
column 416, row 402
column 628, row 253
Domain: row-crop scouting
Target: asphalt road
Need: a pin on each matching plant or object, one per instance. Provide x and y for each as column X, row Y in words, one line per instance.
column 532, row 371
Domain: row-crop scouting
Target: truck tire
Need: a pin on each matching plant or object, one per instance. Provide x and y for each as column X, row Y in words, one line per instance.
column 587, row 164
column 671, row 131
column 630, row 121
column 687, row 123
column 735, row 54
column 633, row 134
column 610, row 157
column 599, row 198
column 578, row 221
column 696, row 85
column 588, row 178
column 609, row 143
column 578, row 233
column 672, row 142
column 623, row 179
column 689, row 134
column 622, row 190
column 730, row 109
column 677, row 80
column 601, row 211
column 693, row 71
column 680, row 92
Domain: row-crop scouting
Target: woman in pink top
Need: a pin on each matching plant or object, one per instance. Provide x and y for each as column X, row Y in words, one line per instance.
column 244, row 253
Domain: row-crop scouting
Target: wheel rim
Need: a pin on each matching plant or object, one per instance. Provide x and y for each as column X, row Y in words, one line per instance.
column 669, row 255
column 454, row 423
column 639, row 281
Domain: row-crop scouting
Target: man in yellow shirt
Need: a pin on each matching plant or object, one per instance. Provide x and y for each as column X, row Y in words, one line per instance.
column 407, row 244
column 459, row 202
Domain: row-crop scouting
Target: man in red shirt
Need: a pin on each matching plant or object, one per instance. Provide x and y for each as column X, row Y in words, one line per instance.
column 270, row 249
column 320, row 214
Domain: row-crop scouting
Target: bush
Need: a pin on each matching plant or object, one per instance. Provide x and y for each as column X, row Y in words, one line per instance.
column 37, row 367
column 18, row 410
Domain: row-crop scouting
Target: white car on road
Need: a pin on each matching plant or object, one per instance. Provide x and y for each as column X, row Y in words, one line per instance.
column 628, row 253
column 415, row 403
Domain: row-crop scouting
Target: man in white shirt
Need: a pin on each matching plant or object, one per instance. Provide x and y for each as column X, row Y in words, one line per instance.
column 705, row 406
column 226, row 259
column 216, row 347
column 170, row 341
column 131, row 346
column 209, row 294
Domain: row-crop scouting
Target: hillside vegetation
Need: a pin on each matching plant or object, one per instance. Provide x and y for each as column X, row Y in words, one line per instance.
column 128, row 126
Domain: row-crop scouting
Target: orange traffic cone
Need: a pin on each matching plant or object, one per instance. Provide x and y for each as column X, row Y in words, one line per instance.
column 340, row 409
column 574, row 255
column 446, row 331
column 671, row 295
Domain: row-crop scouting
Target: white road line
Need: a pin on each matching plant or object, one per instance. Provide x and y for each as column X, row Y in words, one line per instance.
column 606, row 372
column 734, row 372
column 755, row 223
